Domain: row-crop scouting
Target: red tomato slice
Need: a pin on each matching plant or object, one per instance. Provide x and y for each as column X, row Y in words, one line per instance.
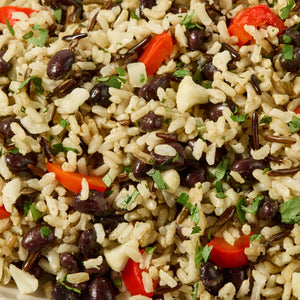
column 227, row 256
column 6, row 12
column 297, row 110
column 132, row 278
column 4, row 213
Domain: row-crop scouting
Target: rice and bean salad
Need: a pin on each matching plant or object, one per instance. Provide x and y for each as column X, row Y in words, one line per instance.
column 150, row 149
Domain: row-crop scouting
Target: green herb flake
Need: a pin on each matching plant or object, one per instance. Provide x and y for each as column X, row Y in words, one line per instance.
column 255, row 237
column 150, row 250
column 294, row 124
column 45, row 231
column 175, row 157
column 195, row 291
column 39, row 41
column 15, row 150
column 22, row 109
column 133, row 15
column 187, row 21
column 57, row 14
column 238, row 119
column 240, row 212
column 265, row 120
column 255, row 205
column 206, row 84
column 288, row 52
column 107, row 180
column 156, row 176
column 129, row 199
column 78, row 291
column 114, row 81
column 11, row 30
column 200, row 126
column 117, row 282
column 28, row 35
column 286, row 39
column 34, row 212
column 196, row 229
column 202, row 254
column 37, row 81
column 195, row 214
column 222, row 168
column 182, row 73
column 183, row 199
column 142, row 77
column 290, row 211
column 266, row 170
column 60, row 148
column 285, row 11
column 121, row 71
column 1, row 152
column 127, row 169
column 220, row 192
column 168, row 121
column 63, row 123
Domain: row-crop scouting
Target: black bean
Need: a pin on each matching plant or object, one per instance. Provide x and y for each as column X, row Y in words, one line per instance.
column 145, row 4
column 101, row 289
column 268, row 209
column 149, row 90
column 5, row 128
column 139, row 169
column 38, row 237
column 293, row 33
column 101, row 270
column 95, row 204
column 88, row 245
column 5, row 66
column 212, row 277
column 246, row 166
column 170, row 162
column 236, row 275
column 215, row 111
column 68, row 261
column 59, row 292
column 190, row 176
column 99, row 95
column 195, row 38
column 292, row 65
column 60, row 64
column 151, row 122
column 208, row 70
column 110, row 222
column 18, row 162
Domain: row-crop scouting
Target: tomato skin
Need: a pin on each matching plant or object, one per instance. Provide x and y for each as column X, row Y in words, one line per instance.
column 297, row 110
column 132, row 278
column 4, row 213
column 258, row 16
column 158, row 49
column 6, row 12
column 227, row 256
column 72, row 180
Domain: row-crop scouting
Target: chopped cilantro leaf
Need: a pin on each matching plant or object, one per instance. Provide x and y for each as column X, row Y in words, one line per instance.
column 181, row 73
column 142, row 77
column 127, row 169
column 196, row 229
column 156, row 176
column 117, row 282
column 286, row 39
column 239, row 119
column 240, row 212
column 221, row 169
column 195, row 214
column 39, row 41
column 265, row 120
column 287, row 52
column 78, row 291
column 133, row 15
column 130, row 198
column 28, row 35
column 285, row 11
column 294, row 124
column 34, row 212
column 121, row 71
column 37, row 81
column 63, row 123
column 22, row 109
column 60, row 148
column 290, row 211
column 202, row 254
column 183, row 199
column 15, row 150
column 187, row 21
column 11, row 30
column 255, row 237
column 150, row 250
column 57, row 13
column 45, row 231
column 195, row 291
column 220, row 192
column 255, row 205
